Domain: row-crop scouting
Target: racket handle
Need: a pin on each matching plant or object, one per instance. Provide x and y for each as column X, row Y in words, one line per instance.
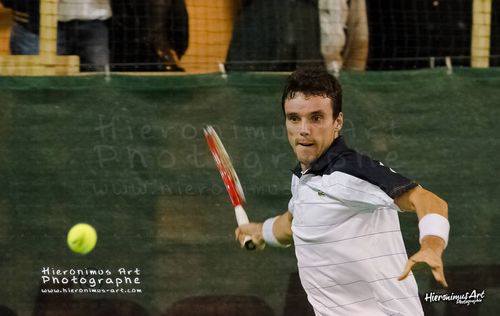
column 241, row 219
column 241, row 215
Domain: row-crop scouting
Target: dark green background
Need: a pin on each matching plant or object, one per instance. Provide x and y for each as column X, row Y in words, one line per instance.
column 128, row 156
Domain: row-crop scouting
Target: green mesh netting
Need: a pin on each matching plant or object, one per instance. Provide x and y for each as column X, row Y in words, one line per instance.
column 128, row 156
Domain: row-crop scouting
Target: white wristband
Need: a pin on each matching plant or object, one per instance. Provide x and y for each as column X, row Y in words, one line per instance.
column 435, row 225
column 268, row 235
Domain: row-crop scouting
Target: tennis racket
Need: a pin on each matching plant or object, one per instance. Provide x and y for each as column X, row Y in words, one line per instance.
column 230, row 179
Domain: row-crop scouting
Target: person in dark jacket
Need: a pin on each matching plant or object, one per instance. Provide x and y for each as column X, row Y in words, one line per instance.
column 149, row 35
column 275, row 35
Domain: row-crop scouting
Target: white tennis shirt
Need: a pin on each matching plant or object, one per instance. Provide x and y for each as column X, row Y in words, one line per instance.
column 347, row 237
column 86, row 10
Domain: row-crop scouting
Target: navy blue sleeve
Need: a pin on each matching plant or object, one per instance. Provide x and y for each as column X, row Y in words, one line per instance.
column 375, row 172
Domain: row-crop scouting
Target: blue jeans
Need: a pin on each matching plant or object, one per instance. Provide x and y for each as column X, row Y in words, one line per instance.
column 23, row 41
column 87, row 39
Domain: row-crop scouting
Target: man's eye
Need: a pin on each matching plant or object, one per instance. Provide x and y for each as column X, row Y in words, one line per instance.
column 293, row 118
column 317, row 118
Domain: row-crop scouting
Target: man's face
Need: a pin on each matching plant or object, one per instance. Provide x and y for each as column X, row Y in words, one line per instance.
column 310, row 126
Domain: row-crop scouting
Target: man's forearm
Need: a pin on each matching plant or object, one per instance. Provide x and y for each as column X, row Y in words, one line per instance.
column 282, row 228
column 432, row 212
column 422, row 202
column 277, row 231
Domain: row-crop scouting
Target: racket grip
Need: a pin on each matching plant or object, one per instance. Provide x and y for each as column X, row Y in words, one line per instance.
column 241, row 219
column 241, row 215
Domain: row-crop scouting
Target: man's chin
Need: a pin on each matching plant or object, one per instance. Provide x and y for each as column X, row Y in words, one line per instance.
column 305, row 162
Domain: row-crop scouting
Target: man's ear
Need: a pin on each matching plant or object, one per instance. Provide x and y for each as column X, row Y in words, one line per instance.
column 339, row 122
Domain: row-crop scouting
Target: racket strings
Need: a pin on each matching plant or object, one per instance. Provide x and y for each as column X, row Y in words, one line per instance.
column 225, row 166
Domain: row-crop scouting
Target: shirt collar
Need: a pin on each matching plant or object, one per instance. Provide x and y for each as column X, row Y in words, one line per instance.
column 336, row 149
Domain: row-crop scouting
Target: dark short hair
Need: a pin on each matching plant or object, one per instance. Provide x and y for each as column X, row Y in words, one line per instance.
column 313, row 82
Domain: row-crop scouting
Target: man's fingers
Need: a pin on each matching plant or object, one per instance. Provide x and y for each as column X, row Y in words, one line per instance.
column 236, row 233
column 435, row 264
column 240, row 237
column 259, row 244
column 438, row 274
column 241, row 234
column 407, row 269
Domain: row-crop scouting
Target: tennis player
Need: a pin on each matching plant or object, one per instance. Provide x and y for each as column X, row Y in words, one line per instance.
column 343, row 214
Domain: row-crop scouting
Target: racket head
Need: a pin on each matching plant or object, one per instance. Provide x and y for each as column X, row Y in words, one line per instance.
column 225, row 166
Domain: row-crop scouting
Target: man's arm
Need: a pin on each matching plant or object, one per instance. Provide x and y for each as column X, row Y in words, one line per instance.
column 280, row 226
column 425, row 203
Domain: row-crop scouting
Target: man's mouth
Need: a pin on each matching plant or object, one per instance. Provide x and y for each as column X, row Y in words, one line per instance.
column 305, row 144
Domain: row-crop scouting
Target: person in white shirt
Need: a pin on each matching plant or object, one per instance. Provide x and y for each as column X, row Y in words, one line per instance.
column 83, row 30
column 344, row 34
column 343, row 214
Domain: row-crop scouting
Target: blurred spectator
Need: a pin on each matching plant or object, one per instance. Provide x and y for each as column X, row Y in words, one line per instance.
column 342, row 48
column 275, row 35
column 495, row 34
column 148, row 35
column 25, row 27
column 406, row 34
column 82, row 30
column 333, row 25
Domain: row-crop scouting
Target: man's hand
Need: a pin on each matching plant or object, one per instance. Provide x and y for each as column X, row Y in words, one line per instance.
column 253, row 230
column 430, row 253
column 280, row 227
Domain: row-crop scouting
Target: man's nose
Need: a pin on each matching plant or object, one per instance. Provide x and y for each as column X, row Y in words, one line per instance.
column 304, row 128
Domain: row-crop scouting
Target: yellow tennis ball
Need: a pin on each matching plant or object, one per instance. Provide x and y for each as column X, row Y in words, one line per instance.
column 82, row 238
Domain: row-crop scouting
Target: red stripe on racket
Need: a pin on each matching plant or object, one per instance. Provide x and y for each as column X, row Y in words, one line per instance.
column 230, row 179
